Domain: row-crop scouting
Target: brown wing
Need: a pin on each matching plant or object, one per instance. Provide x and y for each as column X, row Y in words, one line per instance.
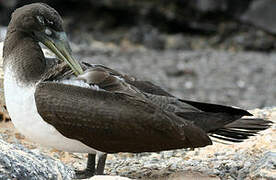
column 144, row 86
column 114, row 122
column 108, row 81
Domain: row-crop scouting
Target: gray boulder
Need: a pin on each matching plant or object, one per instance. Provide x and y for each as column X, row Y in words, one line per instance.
column 17, row 162
column 261, row 13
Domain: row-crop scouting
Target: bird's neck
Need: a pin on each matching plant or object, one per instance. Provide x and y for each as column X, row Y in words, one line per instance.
column 24, row 56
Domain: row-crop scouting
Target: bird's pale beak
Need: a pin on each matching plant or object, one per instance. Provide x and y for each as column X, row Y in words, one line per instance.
column 58, row 43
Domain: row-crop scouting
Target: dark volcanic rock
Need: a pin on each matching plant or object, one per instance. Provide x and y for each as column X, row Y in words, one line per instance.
column 174, row 15
column 256, row 41
column 210, row 5
column 262, row 13
column 148, row 22
column 225, row 7
column 147, row 35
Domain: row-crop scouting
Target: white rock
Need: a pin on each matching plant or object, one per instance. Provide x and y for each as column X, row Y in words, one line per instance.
column 105, row 177
column 1, row 62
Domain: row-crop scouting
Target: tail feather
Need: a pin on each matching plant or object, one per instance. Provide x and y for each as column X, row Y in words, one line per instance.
column 241, row 129
column 237, row 134
column 227, row 139
column 223, row 122
column 249, row 123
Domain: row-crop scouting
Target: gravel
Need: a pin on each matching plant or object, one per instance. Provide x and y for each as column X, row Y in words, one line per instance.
column 265, row 167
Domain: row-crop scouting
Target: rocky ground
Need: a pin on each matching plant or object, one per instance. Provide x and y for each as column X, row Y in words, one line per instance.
column 253, row 159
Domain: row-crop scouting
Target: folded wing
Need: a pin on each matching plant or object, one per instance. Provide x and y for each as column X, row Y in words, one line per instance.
column 114, row 122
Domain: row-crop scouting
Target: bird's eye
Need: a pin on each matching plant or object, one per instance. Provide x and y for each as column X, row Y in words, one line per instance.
column 40, row 19
column 50, row 22
column 48, row 32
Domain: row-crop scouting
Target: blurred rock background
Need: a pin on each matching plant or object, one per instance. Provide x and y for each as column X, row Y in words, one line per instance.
column 248, row 24
column 220, row 51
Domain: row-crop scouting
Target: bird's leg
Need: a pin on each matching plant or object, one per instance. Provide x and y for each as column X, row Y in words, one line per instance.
column 101, row 163
column 4, row 116
column 90, row 168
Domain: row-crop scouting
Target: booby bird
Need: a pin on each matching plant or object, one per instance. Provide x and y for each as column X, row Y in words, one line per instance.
column 90, row 108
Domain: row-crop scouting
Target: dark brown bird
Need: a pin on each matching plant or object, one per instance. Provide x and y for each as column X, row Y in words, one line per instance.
column 93, row 109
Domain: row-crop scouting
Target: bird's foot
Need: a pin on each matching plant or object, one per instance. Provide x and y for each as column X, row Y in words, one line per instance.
column 84, row 174
column 90, row 168
column 4, row 116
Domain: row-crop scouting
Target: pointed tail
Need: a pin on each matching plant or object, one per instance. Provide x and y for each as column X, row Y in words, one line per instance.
column 241, row 129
